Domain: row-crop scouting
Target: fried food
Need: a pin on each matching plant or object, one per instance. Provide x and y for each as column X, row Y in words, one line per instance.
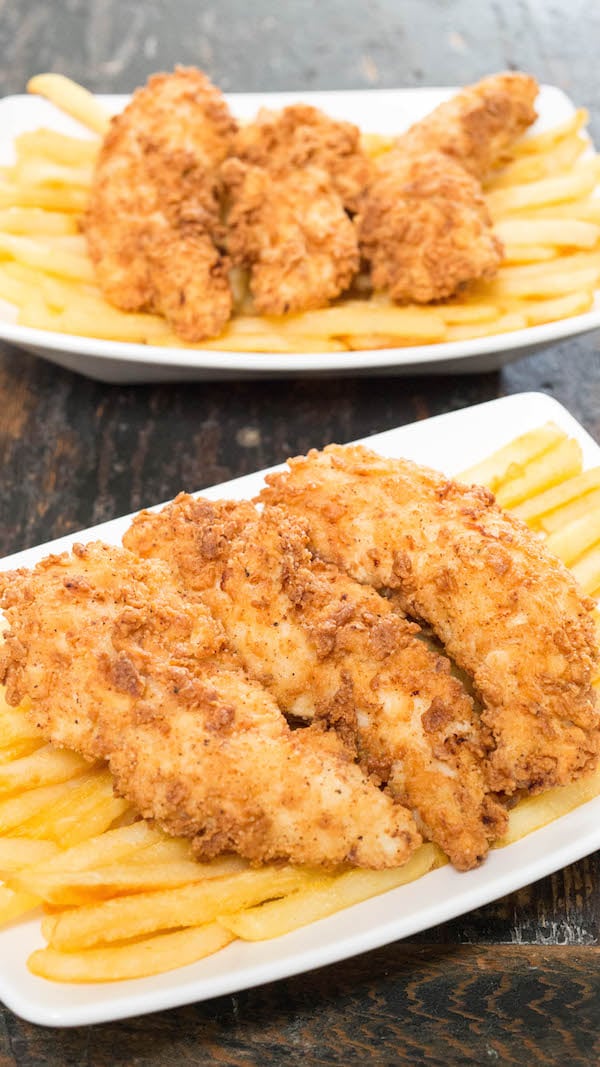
column 116, row 664
column 328, row 648
column 291, row 230
column 153, row 217
column 508, row 612
column 478, row 126
column 424, row 228
column 423, row 224
column 300, row 136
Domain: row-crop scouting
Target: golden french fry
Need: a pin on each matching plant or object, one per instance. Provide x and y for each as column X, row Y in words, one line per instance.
column 561, row 280
column 72, row 99
column 265, row 342
column 587, row 570
column 511, row 460
column 548, row 502
column 33, row 172
column 45, row 257
column 18, row 811
column 418, row 324
column 103, row 849
column 19, row 852
column 14, row 903
column 36, row 222
column 561, row 307
column 561, row 462
column 536, row 811
column 329, row 894
column 535, row 166
column 573, row 540
column 376, row 144
column 514, row 254
column 46, row 766
column 190, row 905
column 542, row 142
column 58, row 147
column 51, row 198
column 155, row 955
column 587, row 209
column 69, row 888
column 555, row 232
column 580, row 182
column 462, row 314
column 504, row 324
column 575, row 509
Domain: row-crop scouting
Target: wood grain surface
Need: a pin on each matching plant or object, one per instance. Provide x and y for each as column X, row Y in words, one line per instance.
column 513, row 983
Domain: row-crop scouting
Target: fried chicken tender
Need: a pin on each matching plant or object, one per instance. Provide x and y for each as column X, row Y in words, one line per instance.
column 328, row 648
column 477, row 126
column 423, row 225
column 291, row 230
column 424, row 228
column 301, row 136
column 508, row 612
column 154, row 212
column 118, row 665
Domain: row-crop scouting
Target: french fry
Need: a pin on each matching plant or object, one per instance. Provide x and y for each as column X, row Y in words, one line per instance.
column 554, row 232
column 50, row 198
column 587, row 570
column 546, row 503
column 536, row 811
column 504, row 324
column 328, row 895
column 580, row 182
column 543, row 142
column 575, row 509
column 189, row 905
column 535, row 166
column 71, row 98
column 14, row 904
column 557, row 282
column 514, row 254
column 155, row 955
column 573, row 540
column 58, row 147
column 587, row 209
column 103, row 849
column 46, row 766
column 561, row 462
column 511, row 460
column 34, row 172
column 19, row 852
column 34, row 253
column 418, row 324
column 36, row 222
column 70, row 888
column 561, row 307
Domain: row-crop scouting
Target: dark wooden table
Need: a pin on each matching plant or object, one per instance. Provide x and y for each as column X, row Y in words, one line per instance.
column 512, row 983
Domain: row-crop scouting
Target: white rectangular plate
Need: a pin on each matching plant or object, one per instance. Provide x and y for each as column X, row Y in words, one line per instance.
column 382, row 111
column 450, row 442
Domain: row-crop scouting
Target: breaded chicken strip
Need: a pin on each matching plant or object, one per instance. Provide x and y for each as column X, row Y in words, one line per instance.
column 291, row 230
column 509, row 613
column 326, row 647
column 477, row 126
column 154, row 211
column 424, row 228
column 118, row 665
column 423, row 225
column 301, row 136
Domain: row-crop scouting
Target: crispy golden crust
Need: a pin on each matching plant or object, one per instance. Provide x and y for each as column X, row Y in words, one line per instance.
column 328, row 648
column 509, row 613
column 118, row 665
column 477, row 126
column 292, row 231
column 154, row 211
column 300, row 136
column 425, row 230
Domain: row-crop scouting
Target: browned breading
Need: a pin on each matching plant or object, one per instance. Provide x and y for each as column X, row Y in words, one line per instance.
column 116, row 664
column 508, row 612
column 478, row 125
column 291, row 230
column 328, row 648
column 301, row 136
column 424, row 228
column 154, row 210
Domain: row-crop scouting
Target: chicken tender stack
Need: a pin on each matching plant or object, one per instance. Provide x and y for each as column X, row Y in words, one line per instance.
column 328, row 648
column 153, row 223
column 509, row 613
column 116, row 664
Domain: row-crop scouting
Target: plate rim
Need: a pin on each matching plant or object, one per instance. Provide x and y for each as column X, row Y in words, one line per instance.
column 131, row 999
column 425, row 357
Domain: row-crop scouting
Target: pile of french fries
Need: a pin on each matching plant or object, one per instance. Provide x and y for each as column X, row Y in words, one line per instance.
column 542, row 203
column 124, row 900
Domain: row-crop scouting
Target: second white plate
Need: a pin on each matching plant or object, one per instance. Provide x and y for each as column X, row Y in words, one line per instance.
column 383, row 111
